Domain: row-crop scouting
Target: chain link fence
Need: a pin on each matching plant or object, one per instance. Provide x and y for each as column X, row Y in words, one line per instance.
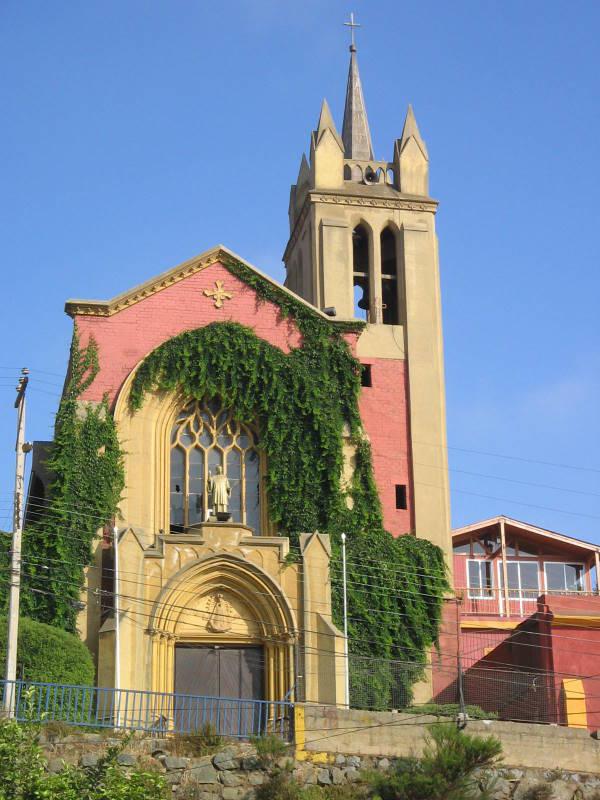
column 509, row 694
column 380, row 684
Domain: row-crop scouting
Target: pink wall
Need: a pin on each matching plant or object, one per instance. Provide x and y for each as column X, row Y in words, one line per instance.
column 125, row 338
column 477, row 642
column 576, row 648
column 385, row 414
column 444, row 658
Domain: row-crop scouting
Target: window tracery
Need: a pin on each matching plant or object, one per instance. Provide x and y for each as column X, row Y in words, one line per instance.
column 205, row 436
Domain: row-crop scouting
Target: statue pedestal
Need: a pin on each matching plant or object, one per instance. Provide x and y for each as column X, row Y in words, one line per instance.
column 217, row 534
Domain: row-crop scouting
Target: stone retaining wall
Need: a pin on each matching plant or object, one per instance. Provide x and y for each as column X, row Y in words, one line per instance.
column 234, row 772
column 385, row 733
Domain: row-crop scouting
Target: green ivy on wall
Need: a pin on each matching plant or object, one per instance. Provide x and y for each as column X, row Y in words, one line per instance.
column 305, row 401
column 87, row 465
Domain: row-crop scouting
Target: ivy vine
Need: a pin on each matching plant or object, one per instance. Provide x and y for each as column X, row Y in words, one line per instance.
column 87, row 466
column 305, row 402
column 307, row 319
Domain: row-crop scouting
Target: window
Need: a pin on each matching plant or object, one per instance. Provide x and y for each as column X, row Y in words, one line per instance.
column 563, row 577
column 480, row 579
column 365, row 375
column 490, row 542
column 463, row 548
column 511, row 548
column 204, row 437
column 389, row 278
column 360, row 272
column 523, row 579
column 401, row 502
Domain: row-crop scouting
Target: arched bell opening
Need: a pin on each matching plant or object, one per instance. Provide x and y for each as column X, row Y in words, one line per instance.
column 389, row 278
column 361, row 272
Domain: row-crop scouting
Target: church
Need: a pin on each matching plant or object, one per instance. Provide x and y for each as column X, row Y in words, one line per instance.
column 211, row 592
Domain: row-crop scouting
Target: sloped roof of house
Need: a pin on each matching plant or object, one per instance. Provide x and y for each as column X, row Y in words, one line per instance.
column 532, row 530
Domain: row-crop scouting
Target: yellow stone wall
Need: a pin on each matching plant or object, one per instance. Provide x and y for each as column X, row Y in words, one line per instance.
column 169, row 584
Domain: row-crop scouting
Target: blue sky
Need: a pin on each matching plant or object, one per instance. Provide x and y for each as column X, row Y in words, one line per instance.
column 138, row 133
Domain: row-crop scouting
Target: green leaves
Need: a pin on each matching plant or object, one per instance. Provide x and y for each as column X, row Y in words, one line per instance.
column 23, row 773
column 303, row 401
column 448, row 769
column 48, row 654
column 87, row 464
column 300, row 401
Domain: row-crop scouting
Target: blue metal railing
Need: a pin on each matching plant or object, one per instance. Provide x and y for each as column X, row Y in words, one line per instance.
column 152, row 712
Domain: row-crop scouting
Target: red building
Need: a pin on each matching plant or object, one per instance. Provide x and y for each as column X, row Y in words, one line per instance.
column 529, row 622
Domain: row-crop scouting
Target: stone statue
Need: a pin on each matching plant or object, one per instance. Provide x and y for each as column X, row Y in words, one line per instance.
column 220, row 488
column 220, row 619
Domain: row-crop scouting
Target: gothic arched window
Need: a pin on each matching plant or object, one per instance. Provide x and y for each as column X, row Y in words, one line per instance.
column 360, row 272
column 389, row 278
column 204, row 437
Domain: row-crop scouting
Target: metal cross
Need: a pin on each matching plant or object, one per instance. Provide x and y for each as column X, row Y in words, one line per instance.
column 352, row 25
column 218, row 294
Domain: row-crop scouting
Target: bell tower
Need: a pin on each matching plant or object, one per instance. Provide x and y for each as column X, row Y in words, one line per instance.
column 363, row 245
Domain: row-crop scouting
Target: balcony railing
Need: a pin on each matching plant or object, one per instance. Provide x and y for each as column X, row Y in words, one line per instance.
column 522, row 603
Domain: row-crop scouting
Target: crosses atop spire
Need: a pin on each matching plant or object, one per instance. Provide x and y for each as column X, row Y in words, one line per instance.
column 355, row 130
column 352, row 25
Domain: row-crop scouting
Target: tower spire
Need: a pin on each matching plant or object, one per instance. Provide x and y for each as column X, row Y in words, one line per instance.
column 355, row 130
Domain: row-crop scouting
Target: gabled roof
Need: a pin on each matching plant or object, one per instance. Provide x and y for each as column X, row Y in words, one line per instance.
column 218, row 254
column 526, row 527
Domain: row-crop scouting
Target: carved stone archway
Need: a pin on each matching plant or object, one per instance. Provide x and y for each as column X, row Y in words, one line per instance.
column 224, row 599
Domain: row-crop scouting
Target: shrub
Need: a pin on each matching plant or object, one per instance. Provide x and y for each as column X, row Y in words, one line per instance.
column 21, row 761
column 269, row 748
column 343, row 792
column 23, row 773
column 543, row 791
column 203, row 742
column 48, row 654
column 444, row 772
column 280, row 786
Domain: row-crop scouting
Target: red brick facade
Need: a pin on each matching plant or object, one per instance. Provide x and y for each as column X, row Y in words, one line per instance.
column 124, row 339
column 384, row 411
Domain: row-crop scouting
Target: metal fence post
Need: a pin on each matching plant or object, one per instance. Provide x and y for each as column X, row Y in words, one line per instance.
column 462, row 713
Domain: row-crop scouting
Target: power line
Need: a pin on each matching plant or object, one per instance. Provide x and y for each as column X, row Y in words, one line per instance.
column 393, row 570
column 513, row 458
column 156, row 604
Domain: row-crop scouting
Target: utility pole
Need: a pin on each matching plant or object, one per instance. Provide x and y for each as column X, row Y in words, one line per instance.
column 22, row 447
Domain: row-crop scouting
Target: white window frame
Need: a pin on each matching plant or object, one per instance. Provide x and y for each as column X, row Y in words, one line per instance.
column 470, row 589
column 518, row 597
column 565, row 564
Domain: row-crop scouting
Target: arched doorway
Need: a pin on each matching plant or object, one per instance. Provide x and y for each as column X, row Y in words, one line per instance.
column 222, row 627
